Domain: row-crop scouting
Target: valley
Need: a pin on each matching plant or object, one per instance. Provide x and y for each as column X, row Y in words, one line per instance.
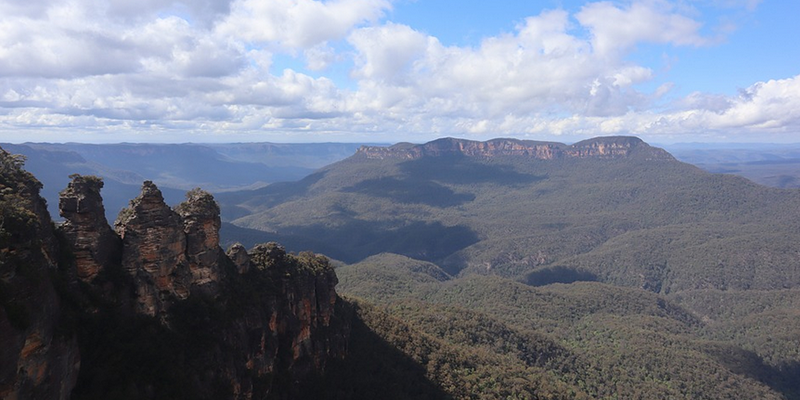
column 602, row 269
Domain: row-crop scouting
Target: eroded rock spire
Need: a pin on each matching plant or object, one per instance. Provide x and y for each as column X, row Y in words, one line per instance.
column 94, row 243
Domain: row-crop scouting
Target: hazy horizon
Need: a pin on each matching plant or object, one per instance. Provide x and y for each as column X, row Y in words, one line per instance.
column 726, row 144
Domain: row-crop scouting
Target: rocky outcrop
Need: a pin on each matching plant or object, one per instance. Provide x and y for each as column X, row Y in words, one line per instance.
column 154, row 251
column 603, row 147
column 201, row 223
column 169, row 253
column 286, row 325
column 238, row 254
column 94, row 244
column 295, row 331
column 37, row 360
column 616, row 147
column 161, row 306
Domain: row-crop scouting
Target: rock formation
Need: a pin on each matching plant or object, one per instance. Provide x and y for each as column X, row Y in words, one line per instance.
column 94, row 244
column 253, row 325
column 238, row 254
column 154, row 251
column 604, row 147
column 201, row 223
column 296, row 329
column 36, row 361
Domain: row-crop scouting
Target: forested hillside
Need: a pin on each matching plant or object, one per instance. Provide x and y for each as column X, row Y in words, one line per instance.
column 638, row 218
column 468, row 270
column 604, row 269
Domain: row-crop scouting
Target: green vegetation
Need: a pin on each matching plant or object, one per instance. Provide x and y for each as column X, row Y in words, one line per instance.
column 604, row 341
column 473, row 278
column 393, row 359
column 524, row 219
column 610, row 278
column 198, row 200
column 764, row 323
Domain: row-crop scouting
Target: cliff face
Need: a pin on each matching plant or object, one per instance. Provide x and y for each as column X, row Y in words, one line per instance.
column 281, row 339
column 169, row 253
column 37, row 359
column 154, row 251
column 94, row 244
column 201, row 223
column 604, row 147
column 207, row 326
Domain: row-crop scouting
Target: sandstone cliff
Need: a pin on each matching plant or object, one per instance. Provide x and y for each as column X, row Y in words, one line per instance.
column 38, row 360
column 603, row 147
column 155, row 308
column 94, row 244
column 170, row 253
column 297, row 328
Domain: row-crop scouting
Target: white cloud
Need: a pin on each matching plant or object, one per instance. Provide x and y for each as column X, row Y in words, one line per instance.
column 299, row 23
column 541, row 68
column 320, row 57
column 386, row 53
column 201, row 12
column 207, row 66
column 774, row 104
column 615, row 29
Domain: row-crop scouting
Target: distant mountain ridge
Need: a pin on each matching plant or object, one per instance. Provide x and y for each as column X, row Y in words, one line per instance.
column 523, row 299
column 586, row 252
column 601, row 147
column 613, row 209
column 175, row 168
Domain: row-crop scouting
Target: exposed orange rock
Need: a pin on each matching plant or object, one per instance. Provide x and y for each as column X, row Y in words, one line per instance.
column 154, row 250
column 35, row 362
column 603, row 147
column 94, row 243
column 283, row 324
column 201, row 223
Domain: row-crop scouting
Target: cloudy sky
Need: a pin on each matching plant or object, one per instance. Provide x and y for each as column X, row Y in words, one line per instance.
column 398, row 70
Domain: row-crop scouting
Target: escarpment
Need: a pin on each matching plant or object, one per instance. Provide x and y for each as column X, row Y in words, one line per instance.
column 602, row 148
column 38, row 360
column 153, row 308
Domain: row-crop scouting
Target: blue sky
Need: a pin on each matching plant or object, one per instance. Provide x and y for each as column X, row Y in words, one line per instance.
column 403, row 70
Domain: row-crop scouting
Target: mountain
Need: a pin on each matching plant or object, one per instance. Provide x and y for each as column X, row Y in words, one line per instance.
column 153, row 307
column 605, row 269
column 613, row 210
column 594, row 339
column 775, row 165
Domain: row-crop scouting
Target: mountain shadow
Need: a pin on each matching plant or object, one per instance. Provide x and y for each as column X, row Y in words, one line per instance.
column 237, row 204
column 782, row 379
column 373, row 369
column 558, row 274
column 459, row 169
column 411, row 191
column 356, row 239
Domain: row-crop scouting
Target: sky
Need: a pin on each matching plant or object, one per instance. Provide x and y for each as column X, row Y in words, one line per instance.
column 383, row 71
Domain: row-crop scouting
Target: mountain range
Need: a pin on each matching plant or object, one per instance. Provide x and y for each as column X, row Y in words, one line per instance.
column 614, row 210
column 499, row 269
column 607, row 260
column 239, row 166
column 176, row 168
